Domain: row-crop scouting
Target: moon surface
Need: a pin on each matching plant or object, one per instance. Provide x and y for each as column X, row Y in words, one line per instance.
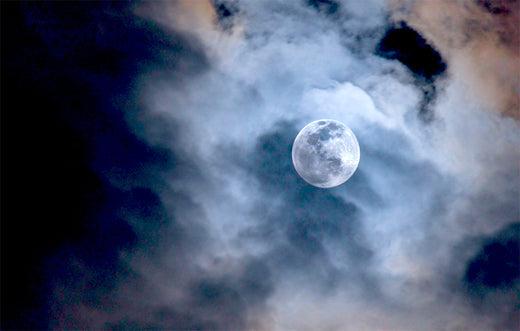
column 325, row 153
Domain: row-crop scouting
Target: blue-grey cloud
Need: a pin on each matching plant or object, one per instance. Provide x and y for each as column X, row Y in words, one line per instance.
column 203, row 222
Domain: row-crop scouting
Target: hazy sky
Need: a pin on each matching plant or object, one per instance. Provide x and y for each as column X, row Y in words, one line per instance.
column 165, row 130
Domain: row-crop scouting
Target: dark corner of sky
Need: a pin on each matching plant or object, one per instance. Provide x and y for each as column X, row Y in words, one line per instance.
column 65, row 68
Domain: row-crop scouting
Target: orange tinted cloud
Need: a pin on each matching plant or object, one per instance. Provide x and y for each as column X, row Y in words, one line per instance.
column 479, row 39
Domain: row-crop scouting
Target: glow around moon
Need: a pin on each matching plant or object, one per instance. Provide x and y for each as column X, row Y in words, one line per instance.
column 325, row 153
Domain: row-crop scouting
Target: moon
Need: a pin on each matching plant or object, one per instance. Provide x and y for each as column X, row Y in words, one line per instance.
column 325, row 153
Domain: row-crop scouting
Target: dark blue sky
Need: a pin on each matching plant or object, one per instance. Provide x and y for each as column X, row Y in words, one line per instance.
column 62, row 65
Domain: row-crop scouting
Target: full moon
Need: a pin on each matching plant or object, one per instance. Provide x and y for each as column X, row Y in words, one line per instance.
column 325, row 153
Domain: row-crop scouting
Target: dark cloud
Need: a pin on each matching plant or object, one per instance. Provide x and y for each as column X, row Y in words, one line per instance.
column 327, row 6
column 226, row 12
column 224, row 303
column 410, row 48
column 497, row 7
column 492, row 278
column 497, row 265
column 66, row 65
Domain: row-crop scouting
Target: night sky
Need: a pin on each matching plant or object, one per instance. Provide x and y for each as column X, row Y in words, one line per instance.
column 147, row 180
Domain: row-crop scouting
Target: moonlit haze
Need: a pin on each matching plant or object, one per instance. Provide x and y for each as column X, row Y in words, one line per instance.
column 189, row 111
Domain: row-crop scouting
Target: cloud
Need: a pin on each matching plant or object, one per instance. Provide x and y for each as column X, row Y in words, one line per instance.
column 481, row 41
column 228, row 236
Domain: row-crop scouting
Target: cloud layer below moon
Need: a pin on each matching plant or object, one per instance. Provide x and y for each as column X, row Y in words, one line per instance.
column 232, row 238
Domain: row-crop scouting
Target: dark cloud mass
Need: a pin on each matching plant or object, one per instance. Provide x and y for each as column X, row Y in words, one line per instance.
column 497, row 264
column 148, row 182
column 410, row 48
